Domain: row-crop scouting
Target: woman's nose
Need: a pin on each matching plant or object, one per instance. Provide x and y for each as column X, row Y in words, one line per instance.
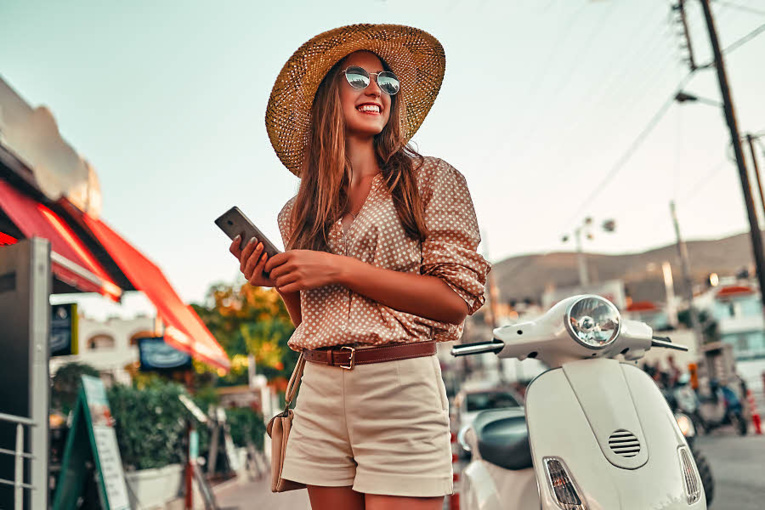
column 373, row 89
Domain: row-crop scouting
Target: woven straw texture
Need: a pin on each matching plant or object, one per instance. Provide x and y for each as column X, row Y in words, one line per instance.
column 415, row 56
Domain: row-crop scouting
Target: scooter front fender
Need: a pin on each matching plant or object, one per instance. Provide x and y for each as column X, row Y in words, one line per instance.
column 573, row 411
column 489, row 487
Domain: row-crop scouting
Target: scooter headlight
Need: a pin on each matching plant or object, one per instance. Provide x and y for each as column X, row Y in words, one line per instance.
column 593, row 321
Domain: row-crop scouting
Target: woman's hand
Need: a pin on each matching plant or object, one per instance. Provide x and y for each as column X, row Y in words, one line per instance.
column 296, row 270
column 252, row 261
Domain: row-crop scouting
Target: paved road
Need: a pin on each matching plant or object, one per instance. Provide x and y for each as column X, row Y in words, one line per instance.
column 256, row 495
column 738, row 467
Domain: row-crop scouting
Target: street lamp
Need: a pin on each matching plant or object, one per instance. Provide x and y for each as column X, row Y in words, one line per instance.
column 586, row 229
column 682, row 97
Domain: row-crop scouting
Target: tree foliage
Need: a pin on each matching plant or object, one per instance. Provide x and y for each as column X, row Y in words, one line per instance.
column 66, row 385
column 248, row 320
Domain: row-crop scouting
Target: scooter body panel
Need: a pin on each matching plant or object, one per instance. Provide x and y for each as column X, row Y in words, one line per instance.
column 571, row 413
column 489, row 487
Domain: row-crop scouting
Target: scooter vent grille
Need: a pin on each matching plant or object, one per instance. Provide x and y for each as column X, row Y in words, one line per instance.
column 624, row 443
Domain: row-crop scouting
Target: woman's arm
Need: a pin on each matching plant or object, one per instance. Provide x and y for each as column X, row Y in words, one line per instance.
column 292, row 302
column 426, row 296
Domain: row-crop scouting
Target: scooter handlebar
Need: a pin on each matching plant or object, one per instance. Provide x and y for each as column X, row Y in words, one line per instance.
column 494, row 346
column 658, row 341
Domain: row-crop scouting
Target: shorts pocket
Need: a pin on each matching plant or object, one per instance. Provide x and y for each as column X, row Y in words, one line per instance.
column 440, row 386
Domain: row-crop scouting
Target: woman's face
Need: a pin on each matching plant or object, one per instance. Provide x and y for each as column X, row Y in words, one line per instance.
column 366, row 111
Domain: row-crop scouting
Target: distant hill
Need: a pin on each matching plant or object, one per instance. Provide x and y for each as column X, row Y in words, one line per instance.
column 527, row 276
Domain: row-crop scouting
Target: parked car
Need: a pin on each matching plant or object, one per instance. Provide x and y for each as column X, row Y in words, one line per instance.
column 468, row 403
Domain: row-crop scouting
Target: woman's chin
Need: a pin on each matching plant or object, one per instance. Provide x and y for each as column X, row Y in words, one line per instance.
column 363, row 131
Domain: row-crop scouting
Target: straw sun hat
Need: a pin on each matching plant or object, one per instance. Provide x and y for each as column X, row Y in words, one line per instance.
column 415, row 56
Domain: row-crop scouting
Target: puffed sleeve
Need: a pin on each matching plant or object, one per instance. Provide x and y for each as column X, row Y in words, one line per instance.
column 449, row 249
column 284, row 220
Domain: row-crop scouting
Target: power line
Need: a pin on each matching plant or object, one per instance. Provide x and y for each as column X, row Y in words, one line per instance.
column 741, row 7
column 704, row 181
column 636, row 143
column 748, row 37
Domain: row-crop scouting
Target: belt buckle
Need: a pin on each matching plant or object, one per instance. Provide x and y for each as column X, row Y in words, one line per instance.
column 351, row 360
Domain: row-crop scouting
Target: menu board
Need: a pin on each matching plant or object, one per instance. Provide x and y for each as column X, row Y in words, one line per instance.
column 105, row 438
column 92, row 438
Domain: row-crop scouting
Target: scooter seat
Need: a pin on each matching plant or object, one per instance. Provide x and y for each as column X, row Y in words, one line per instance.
column 503, row 438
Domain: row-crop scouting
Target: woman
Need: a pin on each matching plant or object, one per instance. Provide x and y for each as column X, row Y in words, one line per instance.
column 381, row 263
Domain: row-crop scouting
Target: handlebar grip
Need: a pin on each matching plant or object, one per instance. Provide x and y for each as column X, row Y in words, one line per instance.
column 668, row 345
column 494, row 346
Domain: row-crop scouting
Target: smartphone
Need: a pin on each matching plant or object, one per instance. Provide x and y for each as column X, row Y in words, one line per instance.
column 234, row 223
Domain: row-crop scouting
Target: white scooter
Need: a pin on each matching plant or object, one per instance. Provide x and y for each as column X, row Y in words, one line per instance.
column 600, row 434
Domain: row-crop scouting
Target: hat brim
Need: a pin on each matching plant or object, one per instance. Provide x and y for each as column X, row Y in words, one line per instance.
column 415, row 56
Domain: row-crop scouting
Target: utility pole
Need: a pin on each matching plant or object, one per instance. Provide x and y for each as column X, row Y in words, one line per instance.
column 680, row 9
column 682, row 252
column 584, row 276
column 750, row 140
column 730, row 117
column 493, row 308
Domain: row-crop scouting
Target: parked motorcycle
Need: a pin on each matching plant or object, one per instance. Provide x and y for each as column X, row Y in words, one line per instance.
column 596, row 434
column 721, row 408
column 682, row 398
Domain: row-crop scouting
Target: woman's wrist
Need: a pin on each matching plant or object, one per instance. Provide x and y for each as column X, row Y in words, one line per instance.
column 344, row 267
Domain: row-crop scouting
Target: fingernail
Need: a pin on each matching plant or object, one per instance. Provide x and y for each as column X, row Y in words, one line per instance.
column 237, row 238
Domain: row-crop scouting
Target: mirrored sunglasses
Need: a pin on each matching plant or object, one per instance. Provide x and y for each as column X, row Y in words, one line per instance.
column 359, row 78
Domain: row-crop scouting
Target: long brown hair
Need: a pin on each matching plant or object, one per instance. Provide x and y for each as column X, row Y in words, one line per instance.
column 323, row 195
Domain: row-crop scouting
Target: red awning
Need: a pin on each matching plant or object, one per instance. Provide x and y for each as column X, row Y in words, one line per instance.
column 71, row 261
column 734, row 291
column 185, row 330
column 642, row 306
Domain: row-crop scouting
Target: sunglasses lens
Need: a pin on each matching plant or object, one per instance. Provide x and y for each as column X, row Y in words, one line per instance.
column 357, row 77
column 388, row 83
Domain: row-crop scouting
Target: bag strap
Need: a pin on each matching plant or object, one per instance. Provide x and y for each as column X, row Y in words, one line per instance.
column 292, row 386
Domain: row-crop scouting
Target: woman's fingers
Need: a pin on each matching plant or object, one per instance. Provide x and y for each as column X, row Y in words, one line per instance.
column 257, row 277
column 281, row 281
column 253, row 257
column 234, row 248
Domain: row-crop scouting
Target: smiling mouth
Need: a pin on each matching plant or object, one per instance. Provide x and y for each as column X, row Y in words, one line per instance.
column 372, row 109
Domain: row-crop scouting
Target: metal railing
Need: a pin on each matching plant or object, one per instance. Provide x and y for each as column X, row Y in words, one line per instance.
column 19, row 455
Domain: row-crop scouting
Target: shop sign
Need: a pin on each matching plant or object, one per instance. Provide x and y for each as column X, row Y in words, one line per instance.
column 63, row 329
column 155, row 354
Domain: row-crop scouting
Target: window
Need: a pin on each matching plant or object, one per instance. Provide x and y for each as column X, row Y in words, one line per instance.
column 100, row 342
column 742, row 343
column 490, row 400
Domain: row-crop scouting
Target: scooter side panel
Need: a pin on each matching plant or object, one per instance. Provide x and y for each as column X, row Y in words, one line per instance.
column 559, row 427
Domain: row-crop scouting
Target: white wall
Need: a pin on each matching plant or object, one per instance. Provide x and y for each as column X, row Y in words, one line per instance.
column 109, row 360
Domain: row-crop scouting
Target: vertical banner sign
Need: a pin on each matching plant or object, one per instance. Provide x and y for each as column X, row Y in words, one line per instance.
column 92, row 438
column 63, row 329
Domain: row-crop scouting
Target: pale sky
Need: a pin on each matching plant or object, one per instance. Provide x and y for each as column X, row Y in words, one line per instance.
column 541, row 99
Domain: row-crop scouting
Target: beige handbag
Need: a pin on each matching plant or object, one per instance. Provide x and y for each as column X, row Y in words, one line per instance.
column 279, row 431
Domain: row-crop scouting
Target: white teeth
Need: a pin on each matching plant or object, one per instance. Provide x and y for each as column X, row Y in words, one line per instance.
column 369, row 108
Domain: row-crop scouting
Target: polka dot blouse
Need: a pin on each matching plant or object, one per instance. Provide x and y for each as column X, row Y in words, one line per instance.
column 335, row 315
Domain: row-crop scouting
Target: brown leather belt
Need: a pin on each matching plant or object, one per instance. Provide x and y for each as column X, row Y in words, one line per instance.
column 348, row 357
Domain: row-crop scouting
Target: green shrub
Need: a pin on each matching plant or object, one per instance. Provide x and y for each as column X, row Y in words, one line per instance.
column 245, row 422
column 66, row 385
column 150, row 424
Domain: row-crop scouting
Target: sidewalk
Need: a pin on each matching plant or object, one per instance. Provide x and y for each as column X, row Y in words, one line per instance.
column 256, row 495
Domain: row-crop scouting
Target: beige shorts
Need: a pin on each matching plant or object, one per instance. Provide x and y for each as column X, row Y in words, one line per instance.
column 382, row 428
